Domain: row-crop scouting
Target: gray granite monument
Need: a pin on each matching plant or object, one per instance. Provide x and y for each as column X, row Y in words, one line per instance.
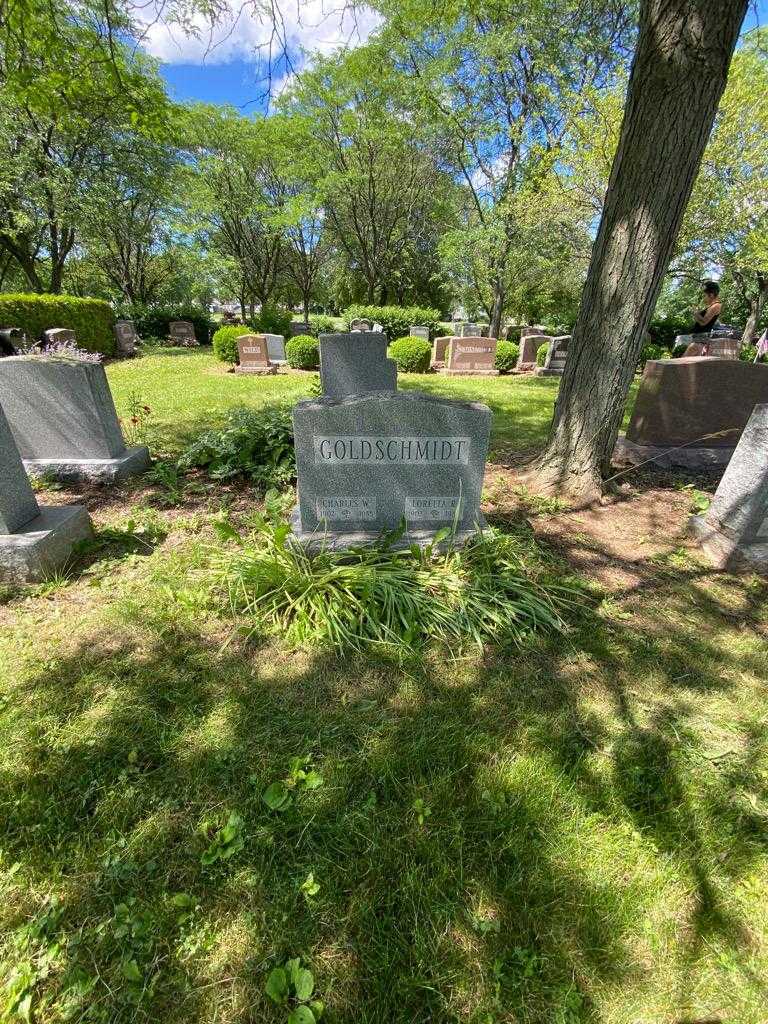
column 733, row 532
column 365, row 463
column 359, row 325
column 355, row 364
column 59, row 336
column 63, row 420
column 182, row 332
column 419, row 332
column 126, row 337
column 297, row 327
column 554, row 364
column 34, row 541
column 276, row 348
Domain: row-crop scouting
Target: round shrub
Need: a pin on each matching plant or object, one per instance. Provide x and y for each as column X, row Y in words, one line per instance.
column 303, row 352
column 225, row 342
column 506, row 356
column 411, row 354
column 651, row 351
column 541, row 353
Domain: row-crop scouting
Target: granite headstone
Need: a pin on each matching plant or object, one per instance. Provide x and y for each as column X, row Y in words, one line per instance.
column 367, row 462
column 299, row 327
column 355, row 364
column 529, row 348
column 471, row 355
column 734, row 530
column 181, row 332
column 254, row 355
column 59, row 336
column 419, row 332
column 360, row 325
column 126, row 337
column 439, row 348
column 276, row 347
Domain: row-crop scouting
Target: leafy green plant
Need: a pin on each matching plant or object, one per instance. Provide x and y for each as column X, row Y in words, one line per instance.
column 134, row 426
column 226, row 842
column 421, row 810
column 292, row 986
column 396, row 320
column 309, row 887
column 541, row 353
column 256, row 444
column 492, row 590
column 301, row 776
column 91, row 319
column 303, row 352
column 506, row 356
column 272, row 320
column 412, row 355
column 651, row 351
column 225, row 342
column 320, row 324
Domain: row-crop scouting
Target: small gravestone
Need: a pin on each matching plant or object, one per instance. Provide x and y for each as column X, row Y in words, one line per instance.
column 59, row 336
column 276, row 348
column 470, row 331
column 724, row 348
column 182, row 332
column 529, row 348
column 554, row 364
column 63, row 419
column 34, row 541
column 126, row 337
column 532, row 329
column 254, row 355
column 439, row 348
column 365, row 463
column 11, row 339
column 299, row 327
column 419, row 332
column 691, row 411
column 471, row 355
column 360, row 325
column 734, row 530
column 355, row 364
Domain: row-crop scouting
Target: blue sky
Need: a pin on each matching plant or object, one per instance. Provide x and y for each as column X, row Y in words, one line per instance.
column 228, row 72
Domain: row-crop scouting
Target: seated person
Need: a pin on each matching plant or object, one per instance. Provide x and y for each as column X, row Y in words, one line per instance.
column 706, row 318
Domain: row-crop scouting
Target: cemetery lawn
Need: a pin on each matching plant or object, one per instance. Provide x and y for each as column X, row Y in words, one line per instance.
column 573, row 833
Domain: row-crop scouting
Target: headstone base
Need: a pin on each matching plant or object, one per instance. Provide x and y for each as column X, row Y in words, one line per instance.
column 631, row 454
column 336, row 540
column 98, row 471
column 44, row 544
column 546, row 371
column 726, row 552
column 469, row 373
column 261, row 371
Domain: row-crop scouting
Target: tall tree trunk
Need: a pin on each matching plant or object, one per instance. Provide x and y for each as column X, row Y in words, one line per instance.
column 679, row 71
column 755, row 309
column 497, row 310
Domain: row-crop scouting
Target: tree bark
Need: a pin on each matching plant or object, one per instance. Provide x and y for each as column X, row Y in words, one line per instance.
column 497, row 310
column 755, row 309
column 679, row 71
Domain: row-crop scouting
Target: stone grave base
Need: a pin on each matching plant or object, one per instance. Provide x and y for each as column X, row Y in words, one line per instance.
column 725, row 552
column 98, row 471
column 628, row 453
column 263, row 371
column 469, row 373
column 339, row 540
column 547, row 371
column 44, row 544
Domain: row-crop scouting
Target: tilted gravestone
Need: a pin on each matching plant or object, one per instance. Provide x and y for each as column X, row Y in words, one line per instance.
column 471, row 356
column 11, row 339
column 355, row 364
column 34, row 541
column 182, row 332
column 254, row 355
column 276, row 348
column 59, row 336
column 365, row 463
column 700, row 403
column 529, row 350
column 63, row 420
column 126, row 337
column 733, row 532
column 554, row 364
column 419, row 332
column 439, row 348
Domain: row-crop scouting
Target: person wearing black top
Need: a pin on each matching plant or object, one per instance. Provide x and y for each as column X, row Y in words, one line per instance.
column 706, row 318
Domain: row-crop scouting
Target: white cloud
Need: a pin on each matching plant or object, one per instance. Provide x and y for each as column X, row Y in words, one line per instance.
column 314, row 26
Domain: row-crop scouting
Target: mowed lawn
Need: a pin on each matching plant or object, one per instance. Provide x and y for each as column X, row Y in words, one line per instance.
column 574, row 832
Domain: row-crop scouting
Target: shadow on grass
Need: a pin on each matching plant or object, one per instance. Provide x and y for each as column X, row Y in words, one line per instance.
column 521, row 896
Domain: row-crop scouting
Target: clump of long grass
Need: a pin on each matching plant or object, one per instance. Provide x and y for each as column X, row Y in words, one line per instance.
column 493, row 590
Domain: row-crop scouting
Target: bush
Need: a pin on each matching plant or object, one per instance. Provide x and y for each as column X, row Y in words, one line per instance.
column 255, row 443
column 225, row 342
column 412, row 355
column 493, row 590
column 303, row 352
column 152, row 321
column 320, row 324
column 272, row 320
column 506, row 356
column 91, row 319
column 651, row 351
column 541, row 354
column 396, row 320
column 664, row 330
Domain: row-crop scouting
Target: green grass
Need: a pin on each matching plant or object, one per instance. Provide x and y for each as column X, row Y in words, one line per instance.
column 572, row 833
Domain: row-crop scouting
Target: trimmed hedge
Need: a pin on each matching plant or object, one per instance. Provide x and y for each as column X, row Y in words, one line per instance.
column 506, row 356
column 152, row 321
column 225, row 342
column 396, row 320
column 652, row 351
column 303, row 352
column 412, row 355
column 541, row 354
column 321, row 324
column 272, row 320
column 91, row 319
